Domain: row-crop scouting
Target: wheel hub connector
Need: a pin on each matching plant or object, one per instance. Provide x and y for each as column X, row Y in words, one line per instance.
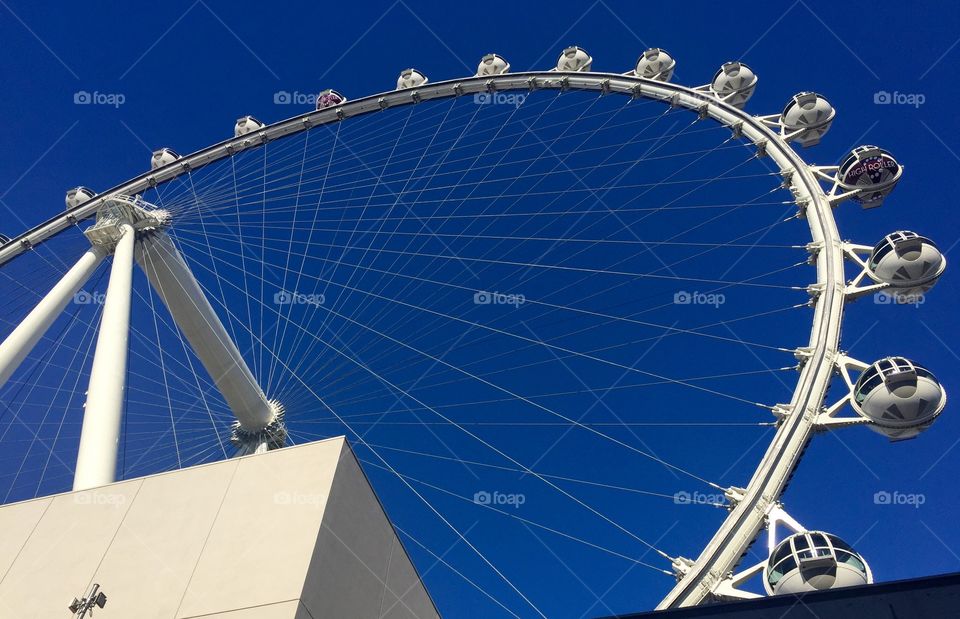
column 123, row 211
column 271, row 436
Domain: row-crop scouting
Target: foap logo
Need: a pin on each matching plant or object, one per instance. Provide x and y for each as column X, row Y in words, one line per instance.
column 285, row 297
column 698, row 498
column 515, row 99
column 99, row 498
column 882, row 97
column 482, row 297
column 284, row 97
column 298, row 499
column 884, row 497
column 499, row 498
column 895, row 298
column 82, row 97
column 716, row 299
column 82, row 297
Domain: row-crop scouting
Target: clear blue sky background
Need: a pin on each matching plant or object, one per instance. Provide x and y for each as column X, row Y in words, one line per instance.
column 187, row 70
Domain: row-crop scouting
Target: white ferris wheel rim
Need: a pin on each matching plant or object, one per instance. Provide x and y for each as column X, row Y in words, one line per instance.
column 698, row 579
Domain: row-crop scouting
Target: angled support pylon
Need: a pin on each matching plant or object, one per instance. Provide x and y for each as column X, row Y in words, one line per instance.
column 21, row 341
column 259, row 424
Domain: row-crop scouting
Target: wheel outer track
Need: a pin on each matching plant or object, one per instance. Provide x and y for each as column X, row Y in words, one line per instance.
column 745, row 521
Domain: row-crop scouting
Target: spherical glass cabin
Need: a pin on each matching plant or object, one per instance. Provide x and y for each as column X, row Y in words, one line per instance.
column 493, row 64
column 329, row 98
column 411, row 78
column 574, row 59
column 245, row 125
column 814, row 561
column 77, row 196
column 900, row 397
column 910, row 263
column 872, row 170
column 656, row 64
column 735, row 83
column 810, row 113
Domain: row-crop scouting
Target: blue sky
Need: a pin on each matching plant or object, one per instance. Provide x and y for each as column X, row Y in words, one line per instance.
column 179, row 74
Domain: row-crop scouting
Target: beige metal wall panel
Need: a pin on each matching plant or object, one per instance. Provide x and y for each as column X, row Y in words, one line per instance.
column 61, row 554
column 260, row 548
column 16, row 523
column 152, row 557
column 296, row 533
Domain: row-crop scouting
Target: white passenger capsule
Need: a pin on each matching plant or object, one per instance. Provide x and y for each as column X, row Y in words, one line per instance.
column 411, row 78
column 77, row 196
column 245, row 125
column 899, row 397
column 492, row 64
column 734, row 83
column 813, row 561
column 655, row 64
column 574, row 59
column 162, row 157
column 810, row 114
column 910, row 263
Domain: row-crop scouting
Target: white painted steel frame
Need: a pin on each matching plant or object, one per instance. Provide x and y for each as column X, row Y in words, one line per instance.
column 747, row 518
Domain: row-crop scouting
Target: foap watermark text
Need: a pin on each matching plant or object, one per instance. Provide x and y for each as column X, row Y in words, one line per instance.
column 115, row 99
column 286, row 297
column 683, row 297
column 299, row 499
column 882, row 97
column 895, row 298
column 285, row 97
column 515, row 99
column 100, row 498
column 699, row 498
column 912, row 499
column 82, row 297
column 499, row 498
column 483, row 297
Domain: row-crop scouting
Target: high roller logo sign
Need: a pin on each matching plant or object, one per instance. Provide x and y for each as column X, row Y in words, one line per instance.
column 876, row 168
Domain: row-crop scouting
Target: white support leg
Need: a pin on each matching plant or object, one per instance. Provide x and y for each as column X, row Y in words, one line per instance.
column 259, row 422
column 97, row 458
column 21, row 341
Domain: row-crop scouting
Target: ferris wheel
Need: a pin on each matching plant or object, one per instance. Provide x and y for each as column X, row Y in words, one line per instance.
column 425, row 268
